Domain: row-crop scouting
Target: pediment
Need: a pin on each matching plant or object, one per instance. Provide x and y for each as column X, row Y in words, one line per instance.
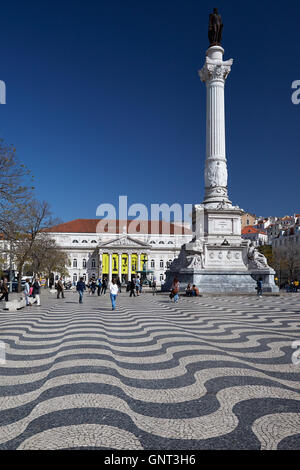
column 125, row 241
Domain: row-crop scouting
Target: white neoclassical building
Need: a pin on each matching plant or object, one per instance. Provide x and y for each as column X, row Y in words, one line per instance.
column 98, row 248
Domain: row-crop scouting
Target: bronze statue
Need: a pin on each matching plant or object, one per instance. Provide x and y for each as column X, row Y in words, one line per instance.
column 215, row 28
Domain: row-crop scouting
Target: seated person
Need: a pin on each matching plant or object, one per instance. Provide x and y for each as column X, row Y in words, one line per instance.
column 195, row 291
column 188, row 290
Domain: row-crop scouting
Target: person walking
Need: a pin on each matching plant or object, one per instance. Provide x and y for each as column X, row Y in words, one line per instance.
column 93, row 286
column 4, row 290
column 259, row 287
column 175, row 290
column 154, row 288
column 36, row 291
column 99, row 285
column 104, row 286
column 80, row 287
column 114, row 289
column 132, row 288
column 60, row 288
column 26, row 293
column 137, row 286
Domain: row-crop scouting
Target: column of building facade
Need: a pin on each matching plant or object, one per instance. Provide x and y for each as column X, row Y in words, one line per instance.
column 120, row 266
column 110, row 267
column 129, row 266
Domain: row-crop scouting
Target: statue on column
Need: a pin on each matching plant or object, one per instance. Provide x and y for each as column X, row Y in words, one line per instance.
column 215, row 28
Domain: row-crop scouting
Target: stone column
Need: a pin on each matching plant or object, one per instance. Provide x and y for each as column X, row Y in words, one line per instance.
column 120, row 266
column 214, row 74
column 110, row 267
column 100, row 264
column 139, row 262
column 129, row 266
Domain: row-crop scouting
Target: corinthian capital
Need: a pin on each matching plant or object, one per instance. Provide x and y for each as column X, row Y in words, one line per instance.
column 215, row 70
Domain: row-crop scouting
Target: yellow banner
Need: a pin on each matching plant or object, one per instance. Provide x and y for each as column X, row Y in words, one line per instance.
column 105, row 263
column 115, row 264
column 124, row 264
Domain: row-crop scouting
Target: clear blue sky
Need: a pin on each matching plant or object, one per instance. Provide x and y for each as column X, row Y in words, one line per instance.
column 104, row 99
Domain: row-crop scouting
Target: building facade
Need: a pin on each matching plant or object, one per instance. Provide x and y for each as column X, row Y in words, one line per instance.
column 119, row 248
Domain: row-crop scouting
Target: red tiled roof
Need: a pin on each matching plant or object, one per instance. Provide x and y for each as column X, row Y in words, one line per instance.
column 251, row 229
column 111, row 226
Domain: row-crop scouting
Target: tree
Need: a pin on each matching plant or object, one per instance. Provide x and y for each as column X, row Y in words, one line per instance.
column 23, row 230
column 13, row 190
column 47, row 257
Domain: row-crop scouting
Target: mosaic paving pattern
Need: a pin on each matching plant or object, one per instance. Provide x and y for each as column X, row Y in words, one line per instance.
column 208, row 373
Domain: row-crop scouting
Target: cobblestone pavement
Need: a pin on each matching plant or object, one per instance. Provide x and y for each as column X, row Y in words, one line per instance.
column 206, row 373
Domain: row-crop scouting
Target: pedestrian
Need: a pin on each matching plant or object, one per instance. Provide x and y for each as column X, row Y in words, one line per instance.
column 259, row 287
column 141, row 286
column 162, row 283
column 60, row 288
column 175, row 290
column 93, row 286
column 26, row 293
column 80, row 287
column 36, row 286
column 189, row 290
column 296, row 284
column 104, row 286
column 154, row 289
column 4, row 290
column 114, row 289
column 137, row 286
column 132, row 288
column 99, row 285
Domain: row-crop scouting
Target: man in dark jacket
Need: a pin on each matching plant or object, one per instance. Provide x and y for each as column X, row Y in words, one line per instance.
column 4, row 290
column 80, row 289
column 104, row 286
column 60, row 288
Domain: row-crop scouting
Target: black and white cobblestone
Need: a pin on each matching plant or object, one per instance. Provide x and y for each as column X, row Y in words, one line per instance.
column 206, row 373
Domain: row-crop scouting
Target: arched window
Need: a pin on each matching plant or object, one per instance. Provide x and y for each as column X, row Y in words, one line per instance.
column 84, row 241
column 161, row 277
column 84, row 277
column 93, row 241
column 161, row 263
column 161, row 243
column 74, row 277
column 74, row 263
column 152, row 242
column 84, row 263
column 93, row 263
column 75, row 241
column 152, row 263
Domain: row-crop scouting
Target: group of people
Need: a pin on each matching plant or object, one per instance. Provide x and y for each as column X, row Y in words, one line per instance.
column 192, row 291
column 292, row 286
column 31, row 289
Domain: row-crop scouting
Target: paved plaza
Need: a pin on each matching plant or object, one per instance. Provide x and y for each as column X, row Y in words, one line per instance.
column 206, row 373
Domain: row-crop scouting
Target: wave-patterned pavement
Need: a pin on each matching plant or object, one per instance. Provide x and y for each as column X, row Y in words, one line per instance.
column 206, row 373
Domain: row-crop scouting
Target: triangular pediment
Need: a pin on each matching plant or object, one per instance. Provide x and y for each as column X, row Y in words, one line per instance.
column 125, row 241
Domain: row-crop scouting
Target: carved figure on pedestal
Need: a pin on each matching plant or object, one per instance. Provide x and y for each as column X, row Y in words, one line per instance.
column 256, row 259
column 216, row 174
column 196, row 261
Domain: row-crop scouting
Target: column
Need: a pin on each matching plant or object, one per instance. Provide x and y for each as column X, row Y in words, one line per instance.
column 129, row 266
column 110, row 267
column 139, row 262
column 100, row 264
column 214, row 74
column 120, row 266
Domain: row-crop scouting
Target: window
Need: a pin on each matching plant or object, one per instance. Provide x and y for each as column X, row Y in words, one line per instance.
column 161, row 277
column 75, row 241
column 152, row 242
column 84, row 263
column 170, row 243
column 93, row 263
column 161, row 243
column 152, row 263
column 161, row 263
column 74, row 277
column 84, row 241
column 74, row 263
column 84, row 277
column 93, row 241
